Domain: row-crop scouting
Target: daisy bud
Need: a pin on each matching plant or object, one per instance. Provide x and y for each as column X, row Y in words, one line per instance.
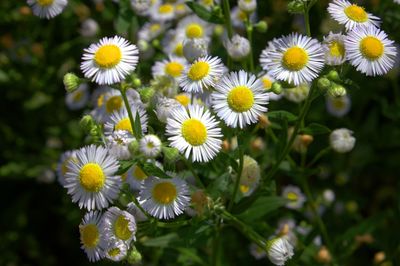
column 261, row 26
column 134, row 257
column 302, row 142
column 171, row 155
column 195, row 48
column 136, row 82
column 337, row 90
column 328, row 196
column 323, row 255
column 247, row 6
column 276, row 88
column 226, row 145
column 324, row 84
column 146, row 94
column 333, row 75
column 342, row 140
column 258, row 144
column 133, row 147
column 141, row 7
column 238, row 47
column 296, row 7
column 86, row 123
column 71, row 82
column 279, row 250
column 150, row 146
column 250, row 177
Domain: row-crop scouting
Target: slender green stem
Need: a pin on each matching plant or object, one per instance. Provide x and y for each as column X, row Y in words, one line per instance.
column 320, row 154
column 215, row 259
column 238, row 176
column 307, row 19
column 227, row 15
column 195, row 175
column 138, row 135
column 249, row 30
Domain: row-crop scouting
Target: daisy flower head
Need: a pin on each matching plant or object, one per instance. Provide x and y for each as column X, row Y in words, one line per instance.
column 91, row 179
column 150, row 31
column 110, row 60
column 116, row 250
column 194, row 131
column 338, row 106
column 295, row 196
column 118, row 225
column 172, row 67
column 62, row 166
column 334, row 49
column 47, row 8
column 239, row 99
column 91, row 236
column 193, row 27
column 77, row 99
column 267, row 82
column 162, row 12
column 279, row 250
column 164, row 198
column 117, row 144
column 370, row 51
column 120, row 121
column 294, row 59
column 164, row 107
column 203, row 73
column 108, row 102
column 351, row 15
column 172, row 43
column 150, row 146
column 136, row 176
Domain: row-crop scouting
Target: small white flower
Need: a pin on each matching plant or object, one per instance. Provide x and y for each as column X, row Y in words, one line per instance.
column 250, row 177
column 47, row 8
column 77, row 99
column 117, row 144
column 150, row 146
column 297, row 94
column 171, row 67
column 150, row 31
column 267, row 82
column 89, row 28
column 91, row 236
column 193, row 27
column 141, row 7
column 118, row 225
column 328, row 195
column 295, row 196
column 195, row 48
column 279, row 250
column 162, row 12
column 62, row 166
column 116, row 250
column 164, row 108
column 120, row 121
column 342, row 140
column 247, row 6
column 338, row 106
column 238, row 47
column 334, row 48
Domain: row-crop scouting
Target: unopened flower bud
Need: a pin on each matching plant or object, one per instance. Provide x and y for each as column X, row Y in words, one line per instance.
column 171, row 155
column 379, row 257
column 323, row 255
column 247, row 6
column 276, row 88
column 342, row 140
column 279, row 250
column 258, row 144
column 225, row 145
column 71, row 82
column 134, row 257
column 136, row 82
column 86, row 123
column 146, row 94
column 133, row 147
column 337, row 90
column 302, row 142
column 334, row 76
column 261, row 26
column 296, row 7
column 324, row 83
column 195, row 48
column 238, row 47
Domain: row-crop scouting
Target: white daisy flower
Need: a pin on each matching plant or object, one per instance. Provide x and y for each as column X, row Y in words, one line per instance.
column 89, row 28
column 295, row 196
column 267, row 82
column 77, row 99
column 338, row 106
column 120, row 121
column 118, row 225
column 136, row 177
column 150, row 146
column 91, row 180
column 370, row 51
column 342, row 140
column 162, row 12
column 195, row 48
column 295, row 59
column 239, row 99
column 264, row 57
column 239, row 17
column 279, row 250
column 116, row 250
column 184, row 98
column 238, row 47
column 298, row 93
column 194, row 132
column 91, row 236
column 110, row 60
column 250, row 177
column 171, row 67
column 351, row 15
column 334, row 49
column 62, row 166
column 150, row 31
column 141, row 7
column 172, row 43
column 117, row 144
column 108, row 102
column 193, row 27
column 247, row 6
column 202, row 74
column 164, row 107
column 47, row 8
column 164, row 198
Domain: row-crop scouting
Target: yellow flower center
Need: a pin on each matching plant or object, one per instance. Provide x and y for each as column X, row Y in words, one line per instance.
column 208, row 2
column 244, row 188
column 114, row 252
column 267, row 83
column 371, row 47
column 199, row 70
column 292, row 196
column 180, row 7
column 295, row 58
column 100, row 100
column 155, row 27
column 108, row 56
column 242, row 15
column 240, row 99
column 356, row 13
column 113, row 104
column 336, row 49
column 92, row 177
column 166, row 8
column 164, row 193
column 183, row 99
column 194, row 132
column 174, row 69
column 89, row 235
column 179, row 49
column 121, row 228
column 78, row 96
column 338, row 103
column 139, row 174
column 124, row 124
column 194, row 30
column 45, row 2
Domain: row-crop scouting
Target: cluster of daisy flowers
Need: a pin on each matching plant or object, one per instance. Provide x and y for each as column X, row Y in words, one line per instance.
column 189, row 109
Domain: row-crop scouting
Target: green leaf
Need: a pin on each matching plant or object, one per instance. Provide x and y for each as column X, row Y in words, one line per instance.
column 124, row 19
column 316, row 129
column 124, row 167
column 220, row 185
column 261, row 207
column 138, row 126
column 162, row 241
column 152, row 170
column 205, row 14
column 282, row 115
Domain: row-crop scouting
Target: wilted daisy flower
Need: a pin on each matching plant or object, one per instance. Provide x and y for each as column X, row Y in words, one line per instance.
column 239, row 17
column 239, row 99
column 120, row 121
column 116, row 250
column 136, row 212
column 195, row 48
column 164, row 198
column 78, row 98
column 171, row 67
column 150, row 31
column 162, row 12
column 295, row 59
column 118, row 225
column 338, row 106
column 247, row 6
column 47, row 8
column 295, row 196
column 91, row 236
column 279, row 250
column 202, row 74
column 117, row 144
column 164, row 108
column 194, row 27
column 110, row 60
column 342, row 140
column 150, row 146
column 333, row 45
column 370, row 50
column 286, row 228
column 91, row 180
column 194, row 132
column 238, row 47
column 62, row 166
column 351, row 15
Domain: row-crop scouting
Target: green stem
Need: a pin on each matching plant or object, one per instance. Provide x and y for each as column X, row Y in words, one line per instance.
column 249, row 30
column 195, row 175
column 307, row 19
column 137, row 135
column 227, row 15
column 215, row 259
column 238, row 176
column 319, row 155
